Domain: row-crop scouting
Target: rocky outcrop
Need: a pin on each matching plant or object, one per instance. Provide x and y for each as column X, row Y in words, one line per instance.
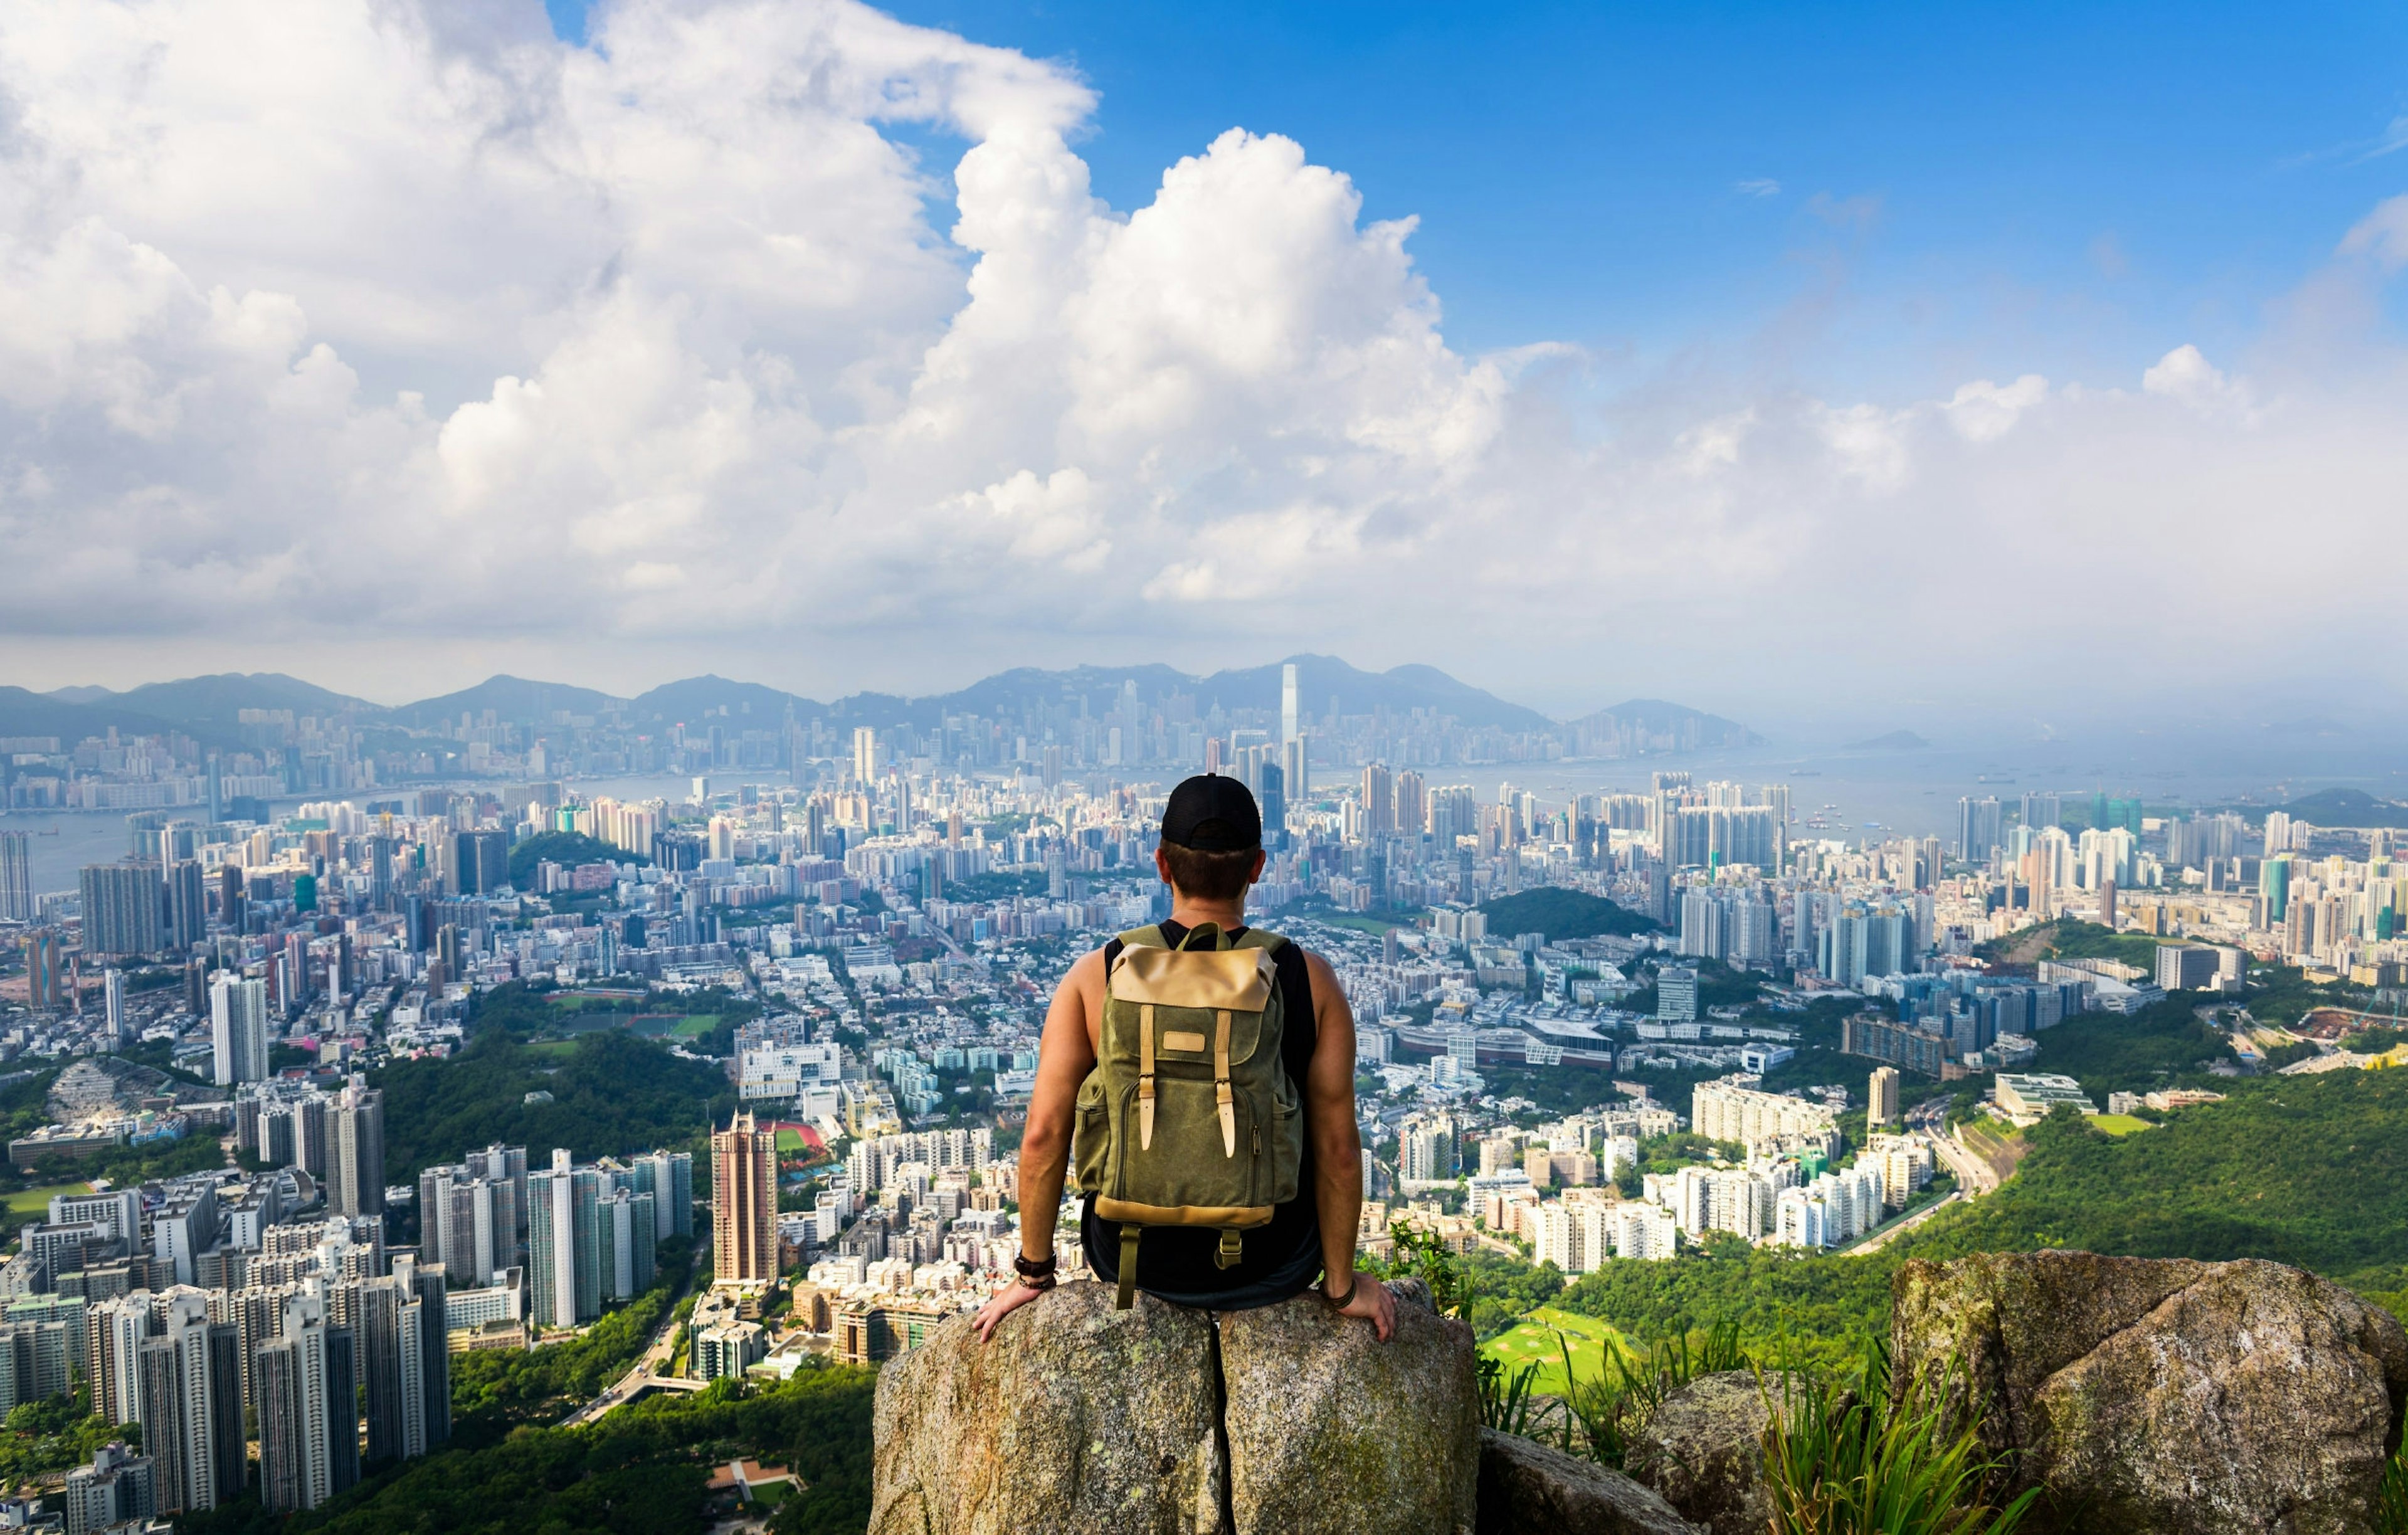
column 1703, row 1450
column 1285, row 1421
column 2170, row 1396
column 1076, row 1417
column 1329, row 1429
column 1530, row 1488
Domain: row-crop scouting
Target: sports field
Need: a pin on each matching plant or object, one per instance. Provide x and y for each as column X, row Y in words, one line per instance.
column 2118, row 1124
column 36, row 1201
column 1540, row 1338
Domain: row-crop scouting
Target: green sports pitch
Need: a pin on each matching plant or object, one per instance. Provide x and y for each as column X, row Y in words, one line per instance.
column 1540, row 1338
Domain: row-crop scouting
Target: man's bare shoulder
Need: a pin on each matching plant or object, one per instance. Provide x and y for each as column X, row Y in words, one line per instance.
column 1085, row 976
column 1327, row 993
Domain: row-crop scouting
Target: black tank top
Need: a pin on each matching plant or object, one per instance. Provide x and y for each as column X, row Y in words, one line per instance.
column 1282, row 1257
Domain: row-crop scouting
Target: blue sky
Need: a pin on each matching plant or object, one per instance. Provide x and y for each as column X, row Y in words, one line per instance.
column 2030, row 320
column 2067, row 189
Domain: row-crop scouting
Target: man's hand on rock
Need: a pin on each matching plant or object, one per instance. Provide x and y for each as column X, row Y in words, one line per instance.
column 1007, row 1300
column 1372, row 1302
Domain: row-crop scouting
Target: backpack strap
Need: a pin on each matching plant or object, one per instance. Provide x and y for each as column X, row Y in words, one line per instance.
column 1127, row 1295
column 1258, row 938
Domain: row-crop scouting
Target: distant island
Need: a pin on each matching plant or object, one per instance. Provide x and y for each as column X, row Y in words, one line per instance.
column 1897, row 741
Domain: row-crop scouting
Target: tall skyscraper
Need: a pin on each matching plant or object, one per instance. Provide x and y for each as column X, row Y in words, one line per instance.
column 113, row 1002
column 1290, row 722
column 564, row 1246
column 16, row 876
column 628, row 1235
column 387, row 1321
column 1981, row 827
column 1379, row 801
column 305, row 1384
column 239, row 1029
column 431, row 1287
column 232, row 905
column 188, row 904
column 151, row 1363
column 121, row 909
column 505, row 1165
column 483, row 860
column 669, row 1178
column 1881, row 1099
column 744, row 1203
column 357, row 1137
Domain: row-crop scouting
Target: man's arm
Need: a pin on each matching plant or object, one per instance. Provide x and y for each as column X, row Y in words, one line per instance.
column 1338, row 1149
column 1065, row 1055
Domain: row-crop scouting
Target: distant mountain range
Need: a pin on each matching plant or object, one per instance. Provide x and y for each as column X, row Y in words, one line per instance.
column 209, row 708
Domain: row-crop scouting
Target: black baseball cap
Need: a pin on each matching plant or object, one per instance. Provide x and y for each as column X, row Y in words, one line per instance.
column 1212, row 814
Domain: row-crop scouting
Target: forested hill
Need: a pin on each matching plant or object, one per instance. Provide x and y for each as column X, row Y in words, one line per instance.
column 1561, row 914
column 2309, row 1170
column 2306, row 1171
column 611, row 1093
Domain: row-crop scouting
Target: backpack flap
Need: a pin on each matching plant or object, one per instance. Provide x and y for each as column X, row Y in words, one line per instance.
column 1207, row 979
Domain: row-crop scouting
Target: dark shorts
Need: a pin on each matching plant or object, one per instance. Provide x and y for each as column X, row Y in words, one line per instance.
column 1176, row 1265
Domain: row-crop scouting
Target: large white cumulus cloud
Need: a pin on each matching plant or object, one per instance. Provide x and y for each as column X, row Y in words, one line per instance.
column 402, row 317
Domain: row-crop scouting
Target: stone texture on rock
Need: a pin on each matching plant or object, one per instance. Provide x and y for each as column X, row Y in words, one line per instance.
column 1076, row 1417
column 1703, row 1450
column 2166, row 1395
column 1530, row 1488
column 1329, row 1429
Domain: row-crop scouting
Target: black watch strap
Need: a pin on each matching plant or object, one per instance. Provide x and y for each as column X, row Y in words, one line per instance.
column 1028, row 1268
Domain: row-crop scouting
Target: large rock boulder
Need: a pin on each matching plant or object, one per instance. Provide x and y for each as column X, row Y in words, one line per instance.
column 1703, row 1450
column 2170, row 1396
column 1076, row 1417
column 1289, row 1420
column 1530, row 1488
column 1329, row 1429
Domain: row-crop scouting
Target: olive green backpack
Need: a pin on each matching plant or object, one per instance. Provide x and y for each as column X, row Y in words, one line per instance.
column 1189, row 1117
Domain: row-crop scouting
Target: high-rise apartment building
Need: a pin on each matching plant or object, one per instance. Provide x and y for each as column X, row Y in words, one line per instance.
column 45, row 954
column 668, row 1178
column 564, row 1246
column 239, row 1029
column 482, row 860
column 16, row 876
column 306, row 1383
column 117, row 1487
column 356, row 1135
column 121, row 909
column 188, row 906
column 628, row 1235
column 744, row 1203
column 1880, row 1097
column 1981, row 827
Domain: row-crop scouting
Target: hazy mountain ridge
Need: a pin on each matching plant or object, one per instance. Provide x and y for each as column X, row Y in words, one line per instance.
column 209, row 705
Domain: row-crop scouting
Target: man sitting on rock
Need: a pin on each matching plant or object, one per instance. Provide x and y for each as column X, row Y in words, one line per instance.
column 1212, row 851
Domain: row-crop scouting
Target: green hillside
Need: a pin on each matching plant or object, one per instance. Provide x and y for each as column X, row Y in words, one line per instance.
column 1562, row 914
column 612, row 1093
column 2305, row 1171
column 569, row 848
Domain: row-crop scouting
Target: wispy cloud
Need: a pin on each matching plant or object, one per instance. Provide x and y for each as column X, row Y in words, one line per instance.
column 2393, row 138
column 1761, row 186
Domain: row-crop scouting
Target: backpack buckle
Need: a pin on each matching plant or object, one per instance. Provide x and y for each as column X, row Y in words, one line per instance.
column 1231, row 1249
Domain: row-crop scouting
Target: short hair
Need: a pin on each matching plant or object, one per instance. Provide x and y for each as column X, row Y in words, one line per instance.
column 1209, row 876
